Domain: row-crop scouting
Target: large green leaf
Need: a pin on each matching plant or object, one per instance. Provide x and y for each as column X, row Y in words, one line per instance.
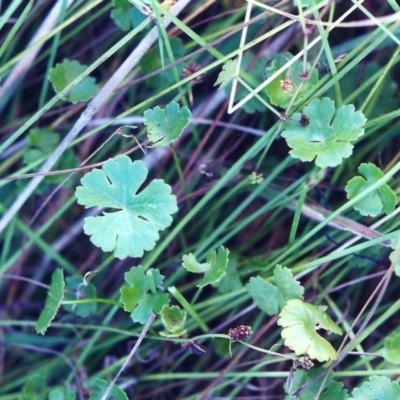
column 300, row 322
column 323, row 133
column 137, row 218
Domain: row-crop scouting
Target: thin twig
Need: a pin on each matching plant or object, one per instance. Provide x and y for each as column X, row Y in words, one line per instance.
column 129, row 358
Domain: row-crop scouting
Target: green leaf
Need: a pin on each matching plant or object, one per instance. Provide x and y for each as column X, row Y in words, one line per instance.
column 78, row 289
column 173, row 319
column 286, row 85
column 309, row 3
column 391, row 348
column 63, row 74
column 328, row 134
column 381, row 200
column 138, row 218
column 397, row 265
column 125, row 15
column 300, row 321
column 227, row 74
column 62, row 394
column 332, row 390
column 377, row 388
column 135, row 294
column 34, row 389
column 99, row 387
column 165, row 126
column 271, row 298
column 53, row 301
column 213, row 269
column 230, row 281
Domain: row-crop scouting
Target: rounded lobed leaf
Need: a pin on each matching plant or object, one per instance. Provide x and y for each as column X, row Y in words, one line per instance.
column 138, row 217
column 327, row 135
column 300, row 322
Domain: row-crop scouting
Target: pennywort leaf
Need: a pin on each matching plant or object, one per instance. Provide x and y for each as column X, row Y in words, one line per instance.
column 213, row 269
column 300, row 322
column 323, row 133
column 64, row 73
column 137, row 218
column 377, row 387
column 54, row 298
column 272, row 297
column 381, row 200
column 136, row 294
column 164, row 126
column 391, row 348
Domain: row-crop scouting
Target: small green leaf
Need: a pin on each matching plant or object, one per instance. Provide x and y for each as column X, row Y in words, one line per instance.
column 271, row 298
column 377, row 388
column 53, row 301
column 135, row 294
column 391, row 348
column 63, row 74
column 125, row 15
column 133, row 226
column 165, row 126
column 397, row 265
column 99, row 387
column 34, row 389
column 300, row 321
column 231, row 280
column 213, row 269
column 313, row 379
column 328, row 134
column 173, row 319
column 227, row 74
column 286, row 85
column 77, row 289
column 309, row 3
column 381, row 200
column 62, row 394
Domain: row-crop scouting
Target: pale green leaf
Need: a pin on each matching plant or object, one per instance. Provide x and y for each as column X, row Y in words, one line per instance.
column 300, row 322
column 377, row 388
column 173, row 319
column 164, row 126
column 137, row 218
column 213, row 269
column 227, row 74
